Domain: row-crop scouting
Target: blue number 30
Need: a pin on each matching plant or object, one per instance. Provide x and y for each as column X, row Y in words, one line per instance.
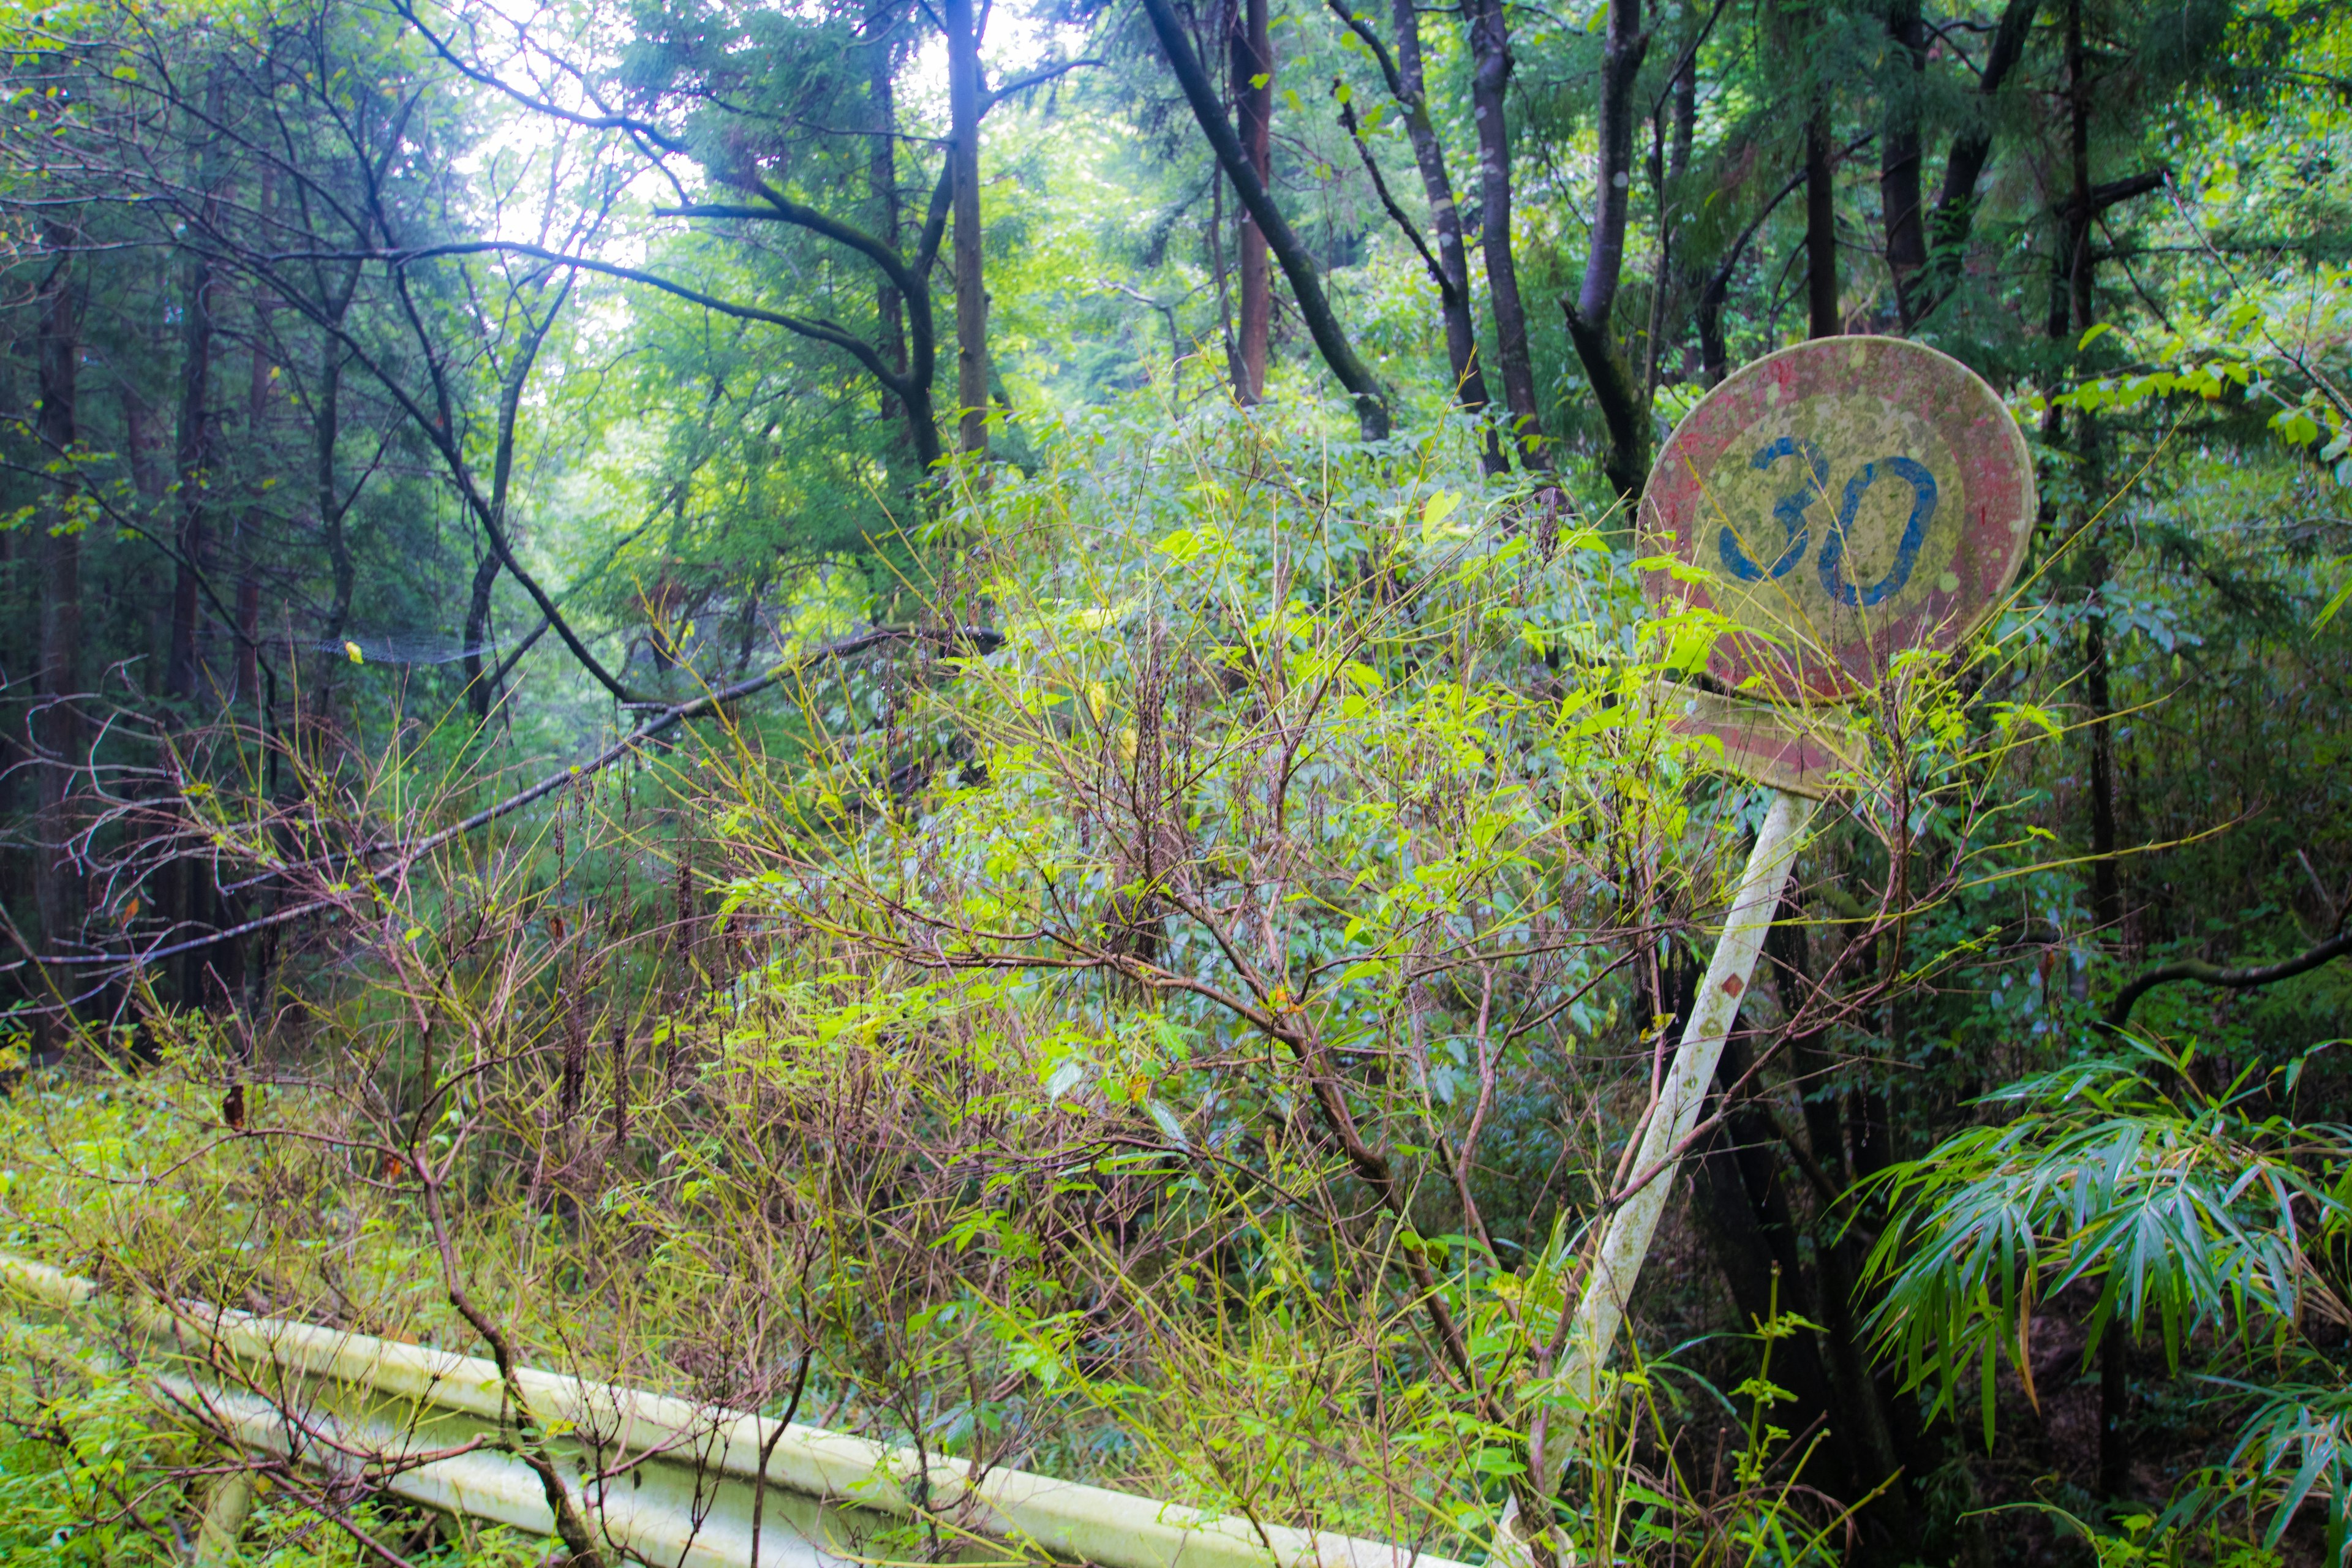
column 1789, row 511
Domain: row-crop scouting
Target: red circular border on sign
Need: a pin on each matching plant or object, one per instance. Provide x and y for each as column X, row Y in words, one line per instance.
column 1996, row 468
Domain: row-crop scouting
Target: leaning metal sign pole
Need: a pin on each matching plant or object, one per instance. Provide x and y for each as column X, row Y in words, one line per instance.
column 1838, row 503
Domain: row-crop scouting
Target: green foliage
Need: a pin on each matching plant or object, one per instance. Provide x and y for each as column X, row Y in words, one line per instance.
column 2212, row 1215
column 1169, row 1003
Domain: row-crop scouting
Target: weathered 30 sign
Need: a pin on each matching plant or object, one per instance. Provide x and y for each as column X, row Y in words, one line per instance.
column 1840, row 501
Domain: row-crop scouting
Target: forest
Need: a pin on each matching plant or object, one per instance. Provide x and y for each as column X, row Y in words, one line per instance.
column 941, row 724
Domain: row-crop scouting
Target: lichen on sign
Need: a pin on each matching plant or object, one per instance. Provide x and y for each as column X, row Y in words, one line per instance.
column 1840, row 501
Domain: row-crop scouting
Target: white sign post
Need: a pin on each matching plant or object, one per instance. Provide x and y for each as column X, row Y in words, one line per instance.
column 1843, row 501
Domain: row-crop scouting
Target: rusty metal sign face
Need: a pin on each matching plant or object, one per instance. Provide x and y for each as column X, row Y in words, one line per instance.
column 1803, row 750
column 1839, row 502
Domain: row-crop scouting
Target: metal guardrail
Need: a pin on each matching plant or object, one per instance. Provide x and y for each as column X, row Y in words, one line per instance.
column 681, row 1484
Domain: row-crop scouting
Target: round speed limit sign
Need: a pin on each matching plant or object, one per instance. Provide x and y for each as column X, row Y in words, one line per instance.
column 1839, row 502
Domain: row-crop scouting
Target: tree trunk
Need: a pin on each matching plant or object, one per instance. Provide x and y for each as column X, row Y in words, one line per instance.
column 1490, row 77
column 1684, row 110
column 2072, row 309
column 1714, row 346
column 492, row 512
column 1869, row 1407
column 1825, row 318
column 480, row 691
column 1297, row 267
column 1949, row 225
column 248, row 532
column 151, row 481
column 971, row 293
column 2106, row 883
column 58, row 733
column 1590, row 315
column 1214, row 240
column 248, row 612
column 1904, row 222
column 194, row 457
column 882, row 179
column 325, row 416
column 21, row 652
column 1253, row 84
column 1754, row 1245
column 143, row 448
column 1624, row 44
column 1444, row 217
column 1670, row 146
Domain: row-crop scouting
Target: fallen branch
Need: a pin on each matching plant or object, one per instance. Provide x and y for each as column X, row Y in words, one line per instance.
column 954, row 639
column 2243, row 979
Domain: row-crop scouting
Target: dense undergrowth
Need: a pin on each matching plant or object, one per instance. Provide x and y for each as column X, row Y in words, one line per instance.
column 1170, row 1018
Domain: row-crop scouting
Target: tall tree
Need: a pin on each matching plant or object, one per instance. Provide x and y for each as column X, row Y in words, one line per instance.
column 1591, row 315
column 60, row 735
column 1297, row 267
column 1252, row 53
column 963, row 178
column 1448, row 261
column 196, row 457
column 1490, row 81
column 1948, row 228
column 883, row 26
column 1901, row 217
column 1825, row 316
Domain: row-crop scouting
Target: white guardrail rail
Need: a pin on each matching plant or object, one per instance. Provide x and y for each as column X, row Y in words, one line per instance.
column 687, row 1486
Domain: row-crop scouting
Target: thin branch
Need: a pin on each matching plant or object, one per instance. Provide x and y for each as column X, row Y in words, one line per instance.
column 607, row 122
column 955, row 640
column 1445, row 289
column 2238, row 979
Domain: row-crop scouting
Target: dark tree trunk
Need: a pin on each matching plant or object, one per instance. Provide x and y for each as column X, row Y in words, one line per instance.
column 1670, row 146
column 1445, row 215
column 325, row 416
column 249, row 527
column 1252, row 52
column 1684, row 109
column 326, row 430
column 1624, row 44
column 1714, row 347
column 1904, row 221
column 1878, row 1438
column 1592, row 327
column 882, row 178
column 972, row 292
column 142, row 447
column 1824, row 319
column 2107, row 905
column 1738, row 1199
column 248, row 612
column 480, row 690
column 1757, row 1247
column 1298, row 266
column 2073, row 308
column 1490, row 79
column 58, row 732
column 2114, row 1407
column 21, row 652
column 142, row 441
column 2106, row 883
column 1949, row 225
column 193, row 458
